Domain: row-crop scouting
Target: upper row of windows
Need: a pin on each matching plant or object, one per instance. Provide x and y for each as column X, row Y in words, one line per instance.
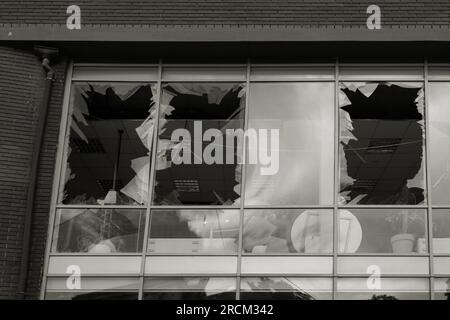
column 384, row 72
column 290, row 130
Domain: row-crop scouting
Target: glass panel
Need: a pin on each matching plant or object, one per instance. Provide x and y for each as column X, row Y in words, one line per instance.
column 191, row 265
column 281, row 73
column 199, row 146
column 298, row 170
column 204, row 73
column 124, row 73
column 92, row 283
column 383, row 289
column 92, row 295
column 383, row 265
column 288, row 231
column 438, row 72
column 190, row 288
column 442, row 289
column 98, row 265
column 381, row 149
column 194, row 231
column 383, row 72
column 283, row 288
column 441, row 231
column 109, row 144
column 382, row 231
column 99, row 230
column 287, row 265
column 441, row 265
column 92, row 288
column 439, row 113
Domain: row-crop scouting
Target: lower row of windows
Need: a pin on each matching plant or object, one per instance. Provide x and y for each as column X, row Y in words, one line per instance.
column 292, row 288
column 262, row 231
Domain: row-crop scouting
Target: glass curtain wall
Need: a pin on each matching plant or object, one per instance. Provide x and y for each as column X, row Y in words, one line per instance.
column 252, row 181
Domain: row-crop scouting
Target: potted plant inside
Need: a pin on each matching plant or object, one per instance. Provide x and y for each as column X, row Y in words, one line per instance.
column 401, row 222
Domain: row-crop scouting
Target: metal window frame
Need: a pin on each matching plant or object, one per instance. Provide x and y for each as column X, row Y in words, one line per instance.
column 334, row 276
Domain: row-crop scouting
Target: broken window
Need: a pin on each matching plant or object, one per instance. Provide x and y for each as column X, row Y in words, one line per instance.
column 297, row 169
column 381, row 143
column 199, row 150
column 109, row 143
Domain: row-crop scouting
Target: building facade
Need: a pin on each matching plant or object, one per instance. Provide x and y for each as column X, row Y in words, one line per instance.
column 224, row 150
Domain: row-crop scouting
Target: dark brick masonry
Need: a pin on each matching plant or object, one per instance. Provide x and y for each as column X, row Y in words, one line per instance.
column 21, row 80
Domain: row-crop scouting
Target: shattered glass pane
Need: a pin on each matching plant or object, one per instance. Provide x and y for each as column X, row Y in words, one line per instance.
column 109, row 143
column 297, row 167
column 199, row 150
column 381, row 143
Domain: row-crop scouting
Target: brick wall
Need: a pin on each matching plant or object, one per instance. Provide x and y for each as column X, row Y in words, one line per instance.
column 21, row 81
column 229, row 12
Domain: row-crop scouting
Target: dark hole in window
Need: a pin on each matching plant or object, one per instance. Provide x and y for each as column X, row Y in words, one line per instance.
column 385, row 150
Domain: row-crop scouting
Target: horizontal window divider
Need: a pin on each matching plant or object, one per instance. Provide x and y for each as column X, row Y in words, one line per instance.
column 388, row 275
column 287, row 65
column 288, row 207
column 287, row 255
column 182, row 274
column 398, row 66
column 214, row 80
column 96, row 275
column 87, row 254
column 440, row 207
column 92, row 290
column 167, row 255
column 288, row 275
column 441, row 255
column 101, row 275
column 99, row 206
column 108, row 80
column 380, row 255
column 380, row 79
column 189, row 207
column 383, row 207
column 112, row 65
column 432, row 79
column 164, row 275
column 206, row 65
column 292, row 80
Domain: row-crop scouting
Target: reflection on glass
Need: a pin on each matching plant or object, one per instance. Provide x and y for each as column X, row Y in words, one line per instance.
column 94, row 295
column 190, row 288
column 111, row 125
column 199, row 149
column 194, row 231
column 92, row 288
column 288, row 231
column 99, row 230
column 401, row 265
column 284, row 288
column 441, row 289
column 441, row 230
column 439, row 113
column 382, row 231
column 300, row 169
column 383, row 289
column 381, row 149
